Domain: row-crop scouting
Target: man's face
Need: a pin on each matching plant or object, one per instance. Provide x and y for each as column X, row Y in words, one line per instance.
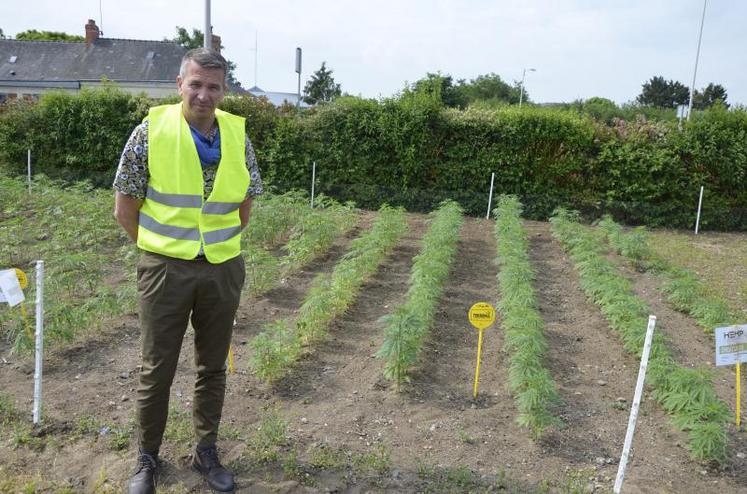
column 201, row 90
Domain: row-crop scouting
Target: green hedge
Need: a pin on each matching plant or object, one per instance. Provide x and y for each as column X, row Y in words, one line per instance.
column 81, row 136
column 412, row 152
column 71, row 136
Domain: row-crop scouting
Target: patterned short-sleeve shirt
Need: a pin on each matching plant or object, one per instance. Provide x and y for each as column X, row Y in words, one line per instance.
column 132, row 173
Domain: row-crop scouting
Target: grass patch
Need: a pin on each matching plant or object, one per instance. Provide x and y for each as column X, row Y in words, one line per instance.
column 684, row 289
column 266, row 444
column 117, row 438
column 718, row 259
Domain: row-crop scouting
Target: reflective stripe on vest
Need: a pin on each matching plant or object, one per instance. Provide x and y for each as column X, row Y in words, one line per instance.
column 177, row 232
column 176, row 200
column 191, row 201
column 220, row 235
column 174, row 219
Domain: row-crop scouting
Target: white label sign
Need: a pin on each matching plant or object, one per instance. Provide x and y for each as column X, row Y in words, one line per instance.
column 731, row 344
column 10, row 288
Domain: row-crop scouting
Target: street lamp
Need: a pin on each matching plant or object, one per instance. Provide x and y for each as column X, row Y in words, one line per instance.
column 523, row 76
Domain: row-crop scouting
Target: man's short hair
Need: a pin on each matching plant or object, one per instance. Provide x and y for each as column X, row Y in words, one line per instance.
column 207, row 59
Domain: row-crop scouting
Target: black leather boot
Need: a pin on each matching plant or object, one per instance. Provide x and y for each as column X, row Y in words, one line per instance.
column 205, row 462
column 144, row 479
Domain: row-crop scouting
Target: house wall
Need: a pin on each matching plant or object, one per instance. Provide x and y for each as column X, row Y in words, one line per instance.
column 156, row 90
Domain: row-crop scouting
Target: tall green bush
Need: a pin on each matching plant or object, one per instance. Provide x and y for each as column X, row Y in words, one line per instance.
column 72, row 136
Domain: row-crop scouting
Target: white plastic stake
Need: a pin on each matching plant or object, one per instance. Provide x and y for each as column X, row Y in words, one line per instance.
column 28, row 162
column 313, row 181
column 490, row 197
column 39, row 348
column 700, row 203
column 636, row 404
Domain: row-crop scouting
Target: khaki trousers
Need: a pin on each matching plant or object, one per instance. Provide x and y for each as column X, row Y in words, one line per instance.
column 172, row 292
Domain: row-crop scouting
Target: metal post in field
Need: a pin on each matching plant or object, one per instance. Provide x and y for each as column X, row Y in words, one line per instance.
column 490, row 196
column 28, row 166
column 313, row 181
column 636, row 405
column 700, row 205
column 39, row 345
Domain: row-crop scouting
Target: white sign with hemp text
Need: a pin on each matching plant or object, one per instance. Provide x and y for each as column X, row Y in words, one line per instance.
column 10, row 288
column 731, row 344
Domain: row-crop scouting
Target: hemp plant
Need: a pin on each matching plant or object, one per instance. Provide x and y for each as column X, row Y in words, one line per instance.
column 408, row 326
column 685, row 393
column 530, row 382
column 282, row 343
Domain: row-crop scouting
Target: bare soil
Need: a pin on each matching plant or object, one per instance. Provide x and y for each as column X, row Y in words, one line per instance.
column 336, row 398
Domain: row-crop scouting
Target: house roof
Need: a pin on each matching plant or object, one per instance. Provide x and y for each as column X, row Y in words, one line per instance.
column 115, row 59
column 277, row 98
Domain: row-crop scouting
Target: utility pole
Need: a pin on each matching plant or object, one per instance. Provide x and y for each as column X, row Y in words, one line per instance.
column 298, row 71
column 208, row 38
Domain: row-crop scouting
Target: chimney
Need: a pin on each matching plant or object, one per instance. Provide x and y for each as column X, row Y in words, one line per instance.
column 92, row 32
column 215, row 42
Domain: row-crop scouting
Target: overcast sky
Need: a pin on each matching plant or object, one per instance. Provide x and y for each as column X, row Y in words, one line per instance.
column 579, row 48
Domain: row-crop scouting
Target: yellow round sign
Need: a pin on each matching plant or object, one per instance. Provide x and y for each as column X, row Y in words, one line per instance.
column 481, row 315
column 22, row 280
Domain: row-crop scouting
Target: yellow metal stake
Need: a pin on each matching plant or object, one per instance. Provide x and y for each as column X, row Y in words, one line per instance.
column 477, row 370
column 230, row 359
column 739, row 395
column 481, row 315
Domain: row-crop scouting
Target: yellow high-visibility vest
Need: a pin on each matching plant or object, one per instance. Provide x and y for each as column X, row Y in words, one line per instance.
column 175, row 220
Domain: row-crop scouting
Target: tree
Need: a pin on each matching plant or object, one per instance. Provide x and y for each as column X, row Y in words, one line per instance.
column 197, row 40
column 2, row 36
column 34, row 35
column 442, row 87
column 321, row 87
column 489, row 87
column 190, row 42
column 663, row 94
column 710, row 95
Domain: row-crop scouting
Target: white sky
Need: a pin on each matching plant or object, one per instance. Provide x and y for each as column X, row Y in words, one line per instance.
column 580, row 48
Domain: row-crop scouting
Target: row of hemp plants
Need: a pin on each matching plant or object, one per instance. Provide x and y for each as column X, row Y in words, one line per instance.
column 283, row 342
column 89, row 261
column 685, row 393
column 684, row 290
column 410, row 323
column 306, row 233
column 530, row 382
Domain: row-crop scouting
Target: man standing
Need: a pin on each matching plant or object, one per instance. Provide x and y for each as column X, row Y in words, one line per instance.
column 183, row 192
